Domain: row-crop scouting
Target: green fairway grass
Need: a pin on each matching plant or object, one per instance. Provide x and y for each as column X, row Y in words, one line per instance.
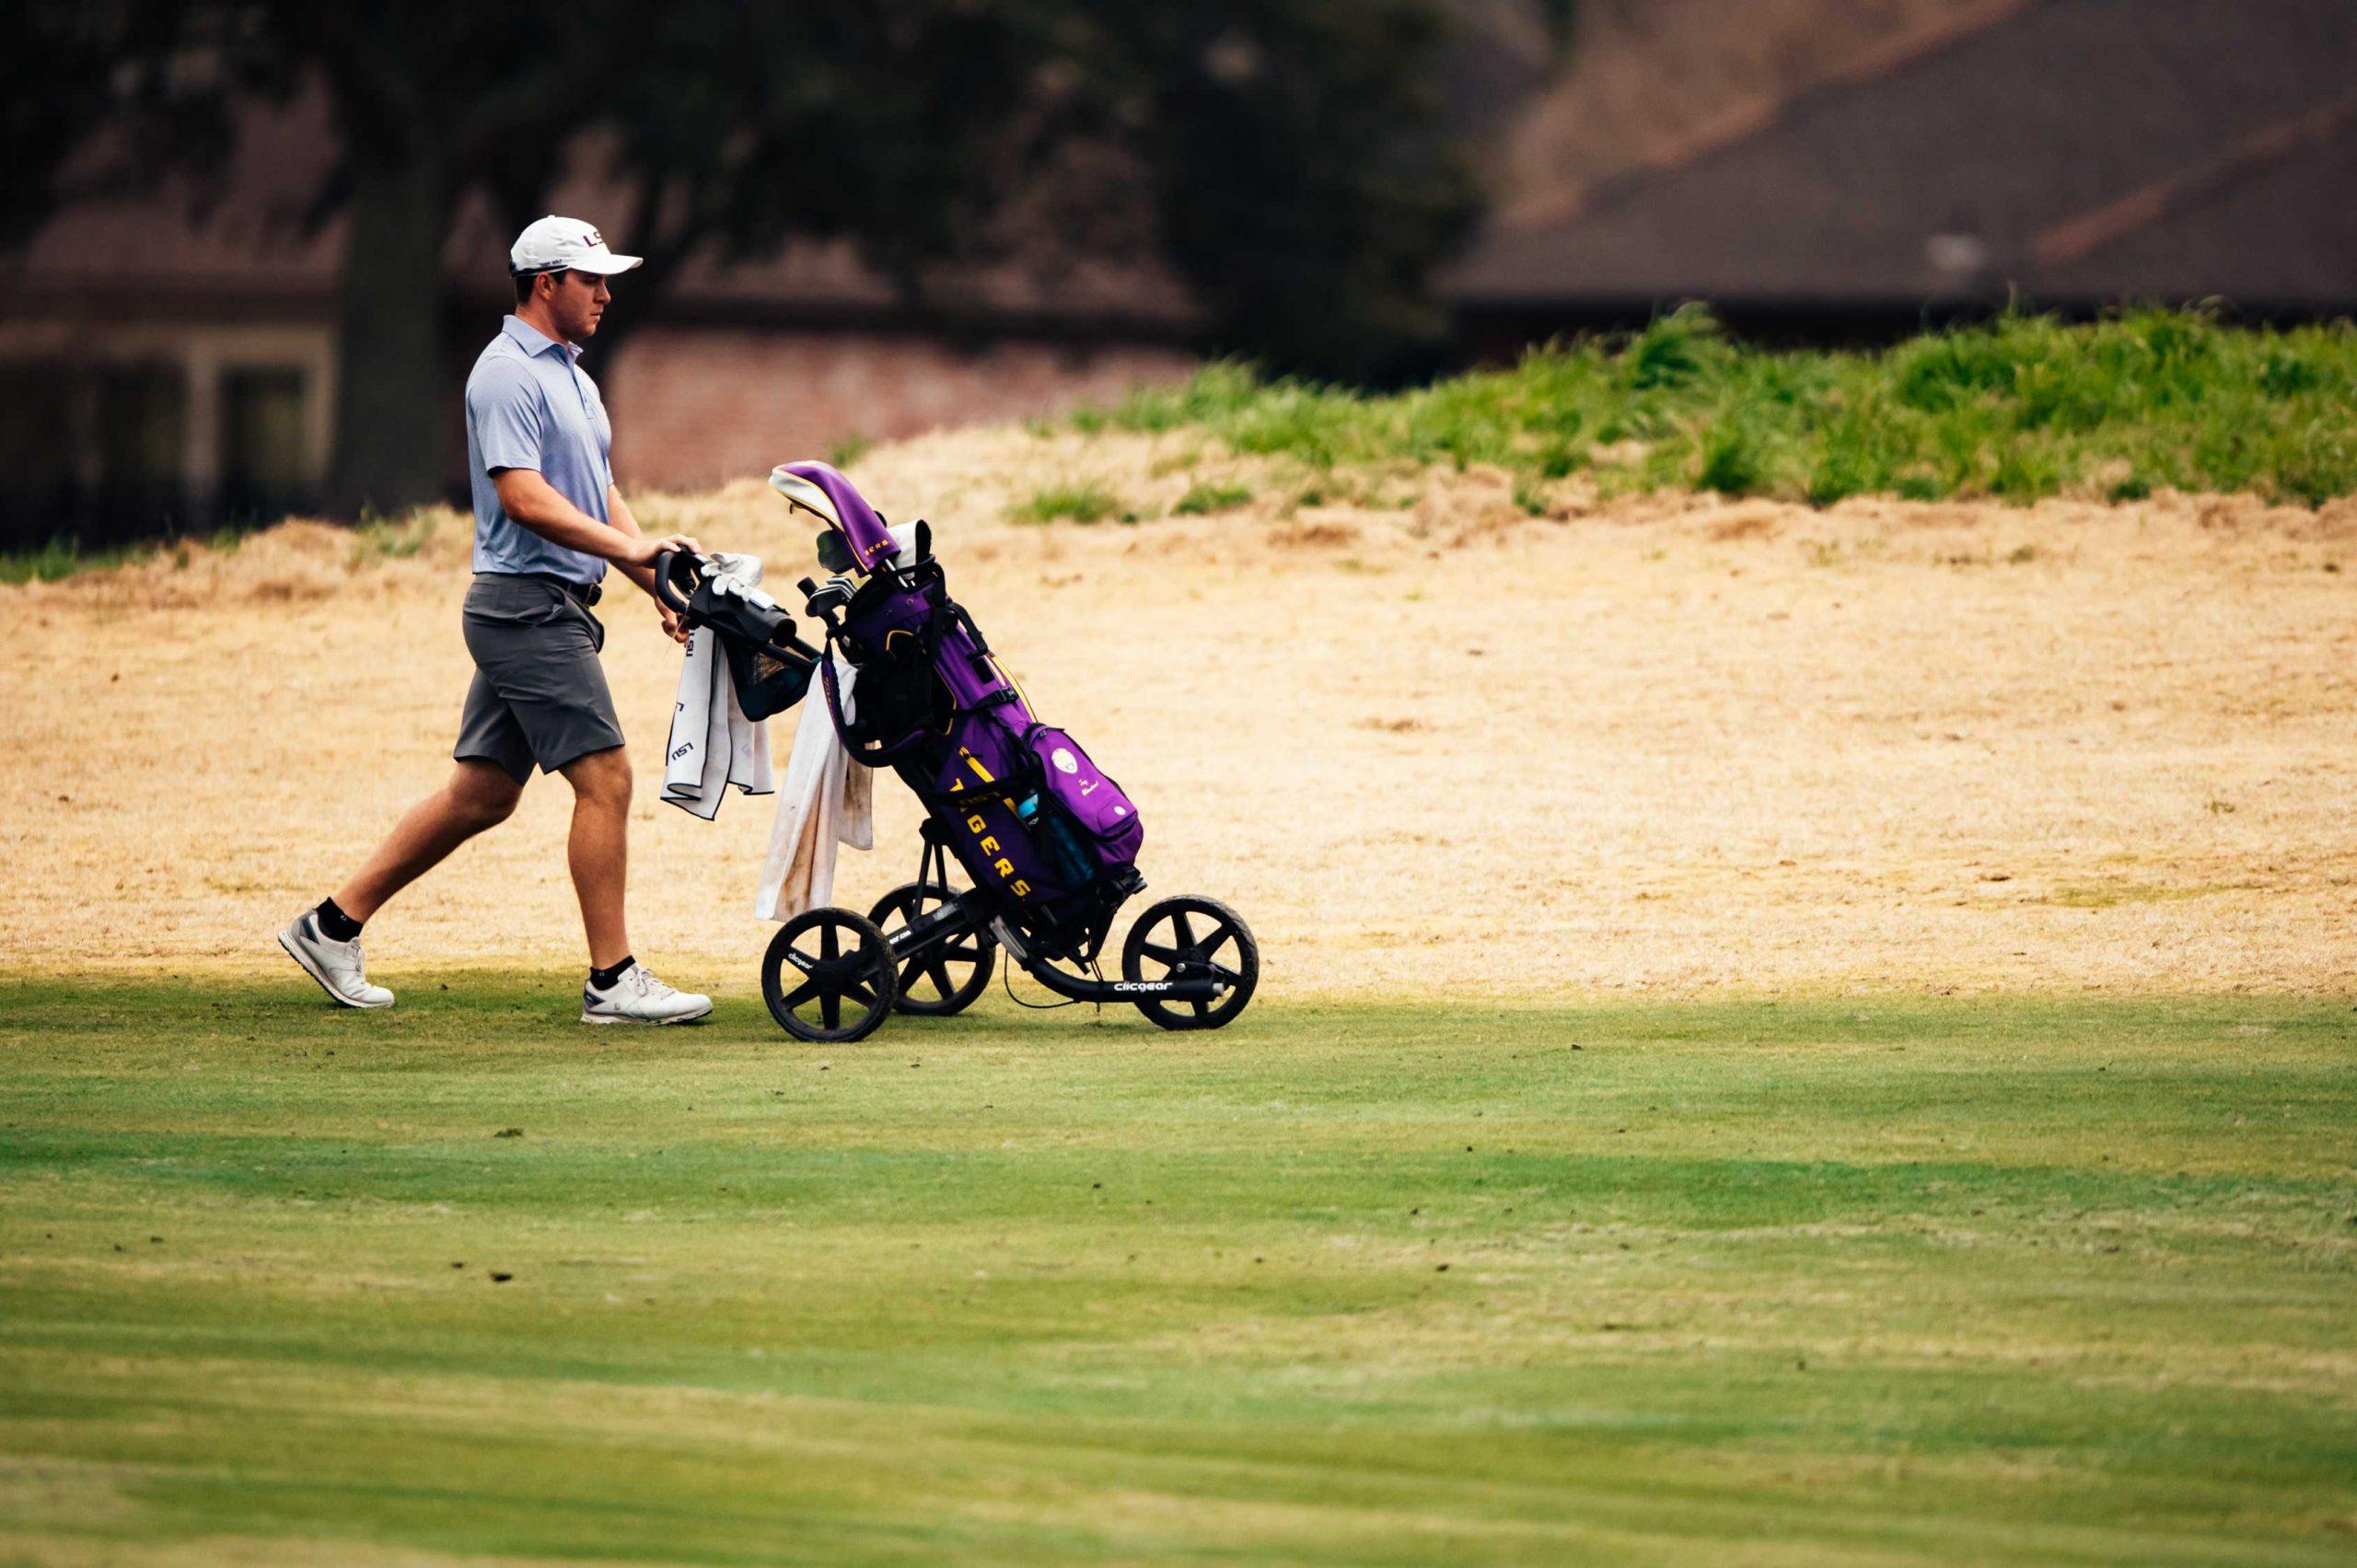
column 1838, row 1280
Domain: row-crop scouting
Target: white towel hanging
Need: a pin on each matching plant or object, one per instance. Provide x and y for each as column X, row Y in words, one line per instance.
column 712, row 744
column 828, row 800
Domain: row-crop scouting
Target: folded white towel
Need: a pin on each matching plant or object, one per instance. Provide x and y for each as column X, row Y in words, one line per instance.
column 712, row 744
column 828, row 800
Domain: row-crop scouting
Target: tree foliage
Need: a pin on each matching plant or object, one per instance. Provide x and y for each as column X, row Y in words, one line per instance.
column 1284, row 159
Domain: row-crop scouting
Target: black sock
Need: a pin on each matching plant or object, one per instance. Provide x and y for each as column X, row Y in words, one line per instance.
column 337, row 925
column 604, row 979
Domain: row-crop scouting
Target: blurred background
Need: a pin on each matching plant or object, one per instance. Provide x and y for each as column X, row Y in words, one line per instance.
column 250, row 250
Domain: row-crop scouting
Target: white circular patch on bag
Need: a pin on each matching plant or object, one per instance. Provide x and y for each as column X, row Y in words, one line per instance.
column 1065, row 761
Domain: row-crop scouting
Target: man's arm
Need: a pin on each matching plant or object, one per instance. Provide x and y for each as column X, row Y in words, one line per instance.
column 618, row 512
column 618, row 515
column 533, row 502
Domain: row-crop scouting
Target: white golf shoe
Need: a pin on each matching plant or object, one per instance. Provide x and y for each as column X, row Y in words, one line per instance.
column 637, row 997
column 337, row 966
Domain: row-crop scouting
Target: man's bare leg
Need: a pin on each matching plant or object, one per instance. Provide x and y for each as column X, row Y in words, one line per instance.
column 480, row 795
column 599, row 854
column 598, row 851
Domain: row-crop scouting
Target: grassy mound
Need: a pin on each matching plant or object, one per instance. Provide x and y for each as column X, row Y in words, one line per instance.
column 2016, row 410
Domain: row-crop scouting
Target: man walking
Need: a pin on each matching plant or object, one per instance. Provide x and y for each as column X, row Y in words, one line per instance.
column 548, row 518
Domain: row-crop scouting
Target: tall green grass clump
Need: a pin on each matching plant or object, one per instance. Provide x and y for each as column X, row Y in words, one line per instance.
column 1205, row 498
column 398, row 538
column 2016, row 409
column 1066, row 503
column 58, row 559
column 64, row 556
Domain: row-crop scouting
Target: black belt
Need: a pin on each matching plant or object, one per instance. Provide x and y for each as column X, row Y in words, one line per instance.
column 588, row 593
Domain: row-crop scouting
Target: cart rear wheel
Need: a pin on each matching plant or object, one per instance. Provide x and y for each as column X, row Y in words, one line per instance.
column 952, row 971
column 829, row 976
column 1185, row 938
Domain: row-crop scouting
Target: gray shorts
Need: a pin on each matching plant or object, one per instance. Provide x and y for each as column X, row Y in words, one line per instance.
column 540, row 694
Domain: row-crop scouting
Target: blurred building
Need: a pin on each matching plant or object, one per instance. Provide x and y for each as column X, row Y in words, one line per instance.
column 171, row 355
column 1899, row 161
column 1814, row 169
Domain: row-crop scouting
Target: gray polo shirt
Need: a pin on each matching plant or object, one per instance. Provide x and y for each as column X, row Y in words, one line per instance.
column 530, row 406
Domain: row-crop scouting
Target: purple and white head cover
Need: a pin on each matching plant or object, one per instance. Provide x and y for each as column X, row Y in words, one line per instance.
column 816, row 488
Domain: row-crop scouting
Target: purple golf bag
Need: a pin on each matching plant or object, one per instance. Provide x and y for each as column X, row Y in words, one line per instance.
column 1020, row 806
column 1049, row 842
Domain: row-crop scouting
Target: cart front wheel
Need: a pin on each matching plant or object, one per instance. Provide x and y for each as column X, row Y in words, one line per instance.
column 829, row 976
column 1190, row 938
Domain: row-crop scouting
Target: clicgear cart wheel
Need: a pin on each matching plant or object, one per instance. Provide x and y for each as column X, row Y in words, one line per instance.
column 952, row 971
column 1186, row 939
column 829, row 976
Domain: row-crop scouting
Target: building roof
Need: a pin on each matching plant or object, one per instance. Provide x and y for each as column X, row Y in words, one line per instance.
column 2079, row 151
column 1651, row 83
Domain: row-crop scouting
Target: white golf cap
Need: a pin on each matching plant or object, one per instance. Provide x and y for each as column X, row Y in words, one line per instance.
column 553, row 242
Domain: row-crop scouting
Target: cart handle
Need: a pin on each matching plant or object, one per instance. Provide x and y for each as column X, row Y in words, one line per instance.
column 669, row 593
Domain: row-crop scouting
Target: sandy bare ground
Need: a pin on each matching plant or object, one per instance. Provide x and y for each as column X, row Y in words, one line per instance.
column 1423, row 744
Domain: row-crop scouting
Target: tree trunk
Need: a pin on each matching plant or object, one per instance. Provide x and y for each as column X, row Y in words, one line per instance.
column 390, row 398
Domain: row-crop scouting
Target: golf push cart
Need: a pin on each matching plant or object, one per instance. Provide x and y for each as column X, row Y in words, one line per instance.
column 1049, row 843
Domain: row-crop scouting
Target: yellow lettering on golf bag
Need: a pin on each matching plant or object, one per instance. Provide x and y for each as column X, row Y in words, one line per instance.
column 1021, row 889
column 1004, row 867
column 975, row 823
column 989, row 845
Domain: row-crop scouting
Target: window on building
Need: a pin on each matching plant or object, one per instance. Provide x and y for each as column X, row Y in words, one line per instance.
column 37, row 480
column 142, row 427
column 141, row 434
column 92, row 451
column 263, row 451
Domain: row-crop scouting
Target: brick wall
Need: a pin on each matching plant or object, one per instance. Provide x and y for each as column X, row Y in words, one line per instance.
column 694, row 406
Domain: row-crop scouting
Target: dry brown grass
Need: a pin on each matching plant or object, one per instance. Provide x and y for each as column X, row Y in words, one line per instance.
column 1669, row 744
